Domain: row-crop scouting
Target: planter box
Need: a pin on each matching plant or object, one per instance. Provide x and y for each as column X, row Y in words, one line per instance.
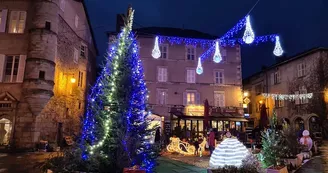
column 282, row 170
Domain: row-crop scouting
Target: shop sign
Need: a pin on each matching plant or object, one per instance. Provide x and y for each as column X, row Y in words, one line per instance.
column 194, row 110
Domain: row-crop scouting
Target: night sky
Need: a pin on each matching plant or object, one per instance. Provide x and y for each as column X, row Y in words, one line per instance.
column 301, row 24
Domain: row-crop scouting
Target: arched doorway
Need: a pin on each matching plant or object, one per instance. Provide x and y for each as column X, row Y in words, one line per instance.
column 5, row 131
column 314, row 124
column 299, row 125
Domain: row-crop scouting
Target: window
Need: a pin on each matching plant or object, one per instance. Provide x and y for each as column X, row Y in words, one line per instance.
column 42, row 74
column 219, row 99
column 48, row 26
column 76, row 21
column 162, row 74
column 191, row 97
column 76, row 55
column 277, row 78
column 191, row 100
column 83, row 49
column 0, row 16
column 191, row 76
column 162, row 96
column 191, row 53
column 80, row 81
column 218, row 77
column 11, row 69
column 303, row 90
column 17, row 21
column 258, row 89
column 301, row 70
column 279, row 103
column 80, row 105
column 164, row 50
column 62, row 5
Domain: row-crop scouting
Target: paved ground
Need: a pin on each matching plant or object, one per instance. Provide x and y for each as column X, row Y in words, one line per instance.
column 315, row 165
column 27, row 162
column 171, row 166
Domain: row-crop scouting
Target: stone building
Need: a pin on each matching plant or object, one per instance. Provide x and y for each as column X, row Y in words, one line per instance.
column 291, row 76
column 47, row 62
column 177, row 92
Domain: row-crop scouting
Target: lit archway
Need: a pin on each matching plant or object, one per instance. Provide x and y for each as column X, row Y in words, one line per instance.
column 5, row 131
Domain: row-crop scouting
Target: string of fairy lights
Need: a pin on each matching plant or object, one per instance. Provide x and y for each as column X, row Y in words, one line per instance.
column 249, row 37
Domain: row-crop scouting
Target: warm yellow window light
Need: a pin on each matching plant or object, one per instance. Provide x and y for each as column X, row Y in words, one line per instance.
column 73, row 80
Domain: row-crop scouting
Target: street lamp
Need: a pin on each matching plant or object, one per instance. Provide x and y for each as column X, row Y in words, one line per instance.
column 261, row 101
column 73, row 80
column 246, row 94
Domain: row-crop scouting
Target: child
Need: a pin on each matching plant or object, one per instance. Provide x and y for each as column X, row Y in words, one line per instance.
column 196, row 144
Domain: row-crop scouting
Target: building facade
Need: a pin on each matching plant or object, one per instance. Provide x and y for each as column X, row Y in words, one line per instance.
column 47, row 62
column 292, row 76
column 177, row 93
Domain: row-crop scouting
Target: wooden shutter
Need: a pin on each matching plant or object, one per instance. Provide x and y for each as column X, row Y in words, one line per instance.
column 4, row 13
column 158, row 96
column 198, row 98
column 184, row 98
column 193, row 76
column 166, row 95
column 306, row 100
column 2, row 66
column 76, row 55
column 22, row 14
column 222, row 100
column 21, row 68
column 297, row 100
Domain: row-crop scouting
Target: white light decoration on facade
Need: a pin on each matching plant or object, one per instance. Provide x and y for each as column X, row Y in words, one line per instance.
column 277, row 48
column 178, row 146
column 288, row 96
column 249, row 35
column 199, row 69
column 230, row 152
column 156, row 53
column 217, row 55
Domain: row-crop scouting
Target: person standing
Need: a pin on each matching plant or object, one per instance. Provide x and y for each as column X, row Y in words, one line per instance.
column 211, row 141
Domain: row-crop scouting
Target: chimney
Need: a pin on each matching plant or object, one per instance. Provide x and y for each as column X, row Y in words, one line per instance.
column 119, row 22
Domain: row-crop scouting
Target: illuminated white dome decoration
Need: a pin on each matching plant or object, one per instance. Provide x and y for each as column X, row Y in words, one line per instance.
column 229, row 152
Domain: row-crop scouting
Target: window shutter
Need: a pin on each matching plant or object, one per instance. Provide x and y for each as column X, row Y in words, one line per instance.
column 21, row 68
column 166, row 95
column 184, row 98
column 165, row 74
column 223, row 99
column 158, row 97
column 187, row 76
column 197, row 98
column 297, row 100
column 193, row 76
column 159, row 75
column 272, row 78
column 306, row 100
column 2, row 66
column 4, row 14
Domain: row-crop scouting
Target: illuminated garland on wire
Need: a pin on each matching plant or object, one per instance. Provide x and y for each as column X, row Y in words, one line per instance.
column 288, row 96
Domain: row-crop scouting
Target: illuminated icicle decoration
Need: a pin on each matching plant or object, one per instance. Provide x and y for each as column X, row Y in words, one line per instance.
column 217, row 55
column 249, row 35
column 156, row 53
column 199, row 69
column 277, row 48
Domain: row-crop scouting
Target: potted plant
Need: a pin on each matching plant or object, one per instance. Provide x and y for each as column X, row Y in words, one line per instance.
column 271, row 146
column 290, row 151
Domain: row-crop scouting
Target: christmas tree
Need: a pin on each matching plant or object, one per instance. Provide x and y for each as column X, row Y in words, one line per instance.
column 271, row 144
column 115, row 129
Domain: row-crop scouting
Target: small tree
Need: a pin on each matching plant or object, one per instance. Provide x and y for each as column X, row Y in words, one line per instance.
column 271, row 140
column 290, row 146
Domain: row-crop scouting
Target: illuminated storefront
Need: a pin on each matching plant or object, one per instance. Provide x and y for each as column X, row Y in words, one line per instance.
column 189, row 121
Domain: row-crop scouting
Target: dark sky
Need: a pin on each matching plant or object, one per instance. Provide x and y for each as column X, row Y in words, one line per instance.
column 301, row 24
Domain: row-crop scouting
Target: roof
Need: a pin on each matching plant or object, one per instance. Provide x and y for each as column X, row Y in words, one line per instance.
column 290, row 59
column 89, row 23
column 174, row 32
